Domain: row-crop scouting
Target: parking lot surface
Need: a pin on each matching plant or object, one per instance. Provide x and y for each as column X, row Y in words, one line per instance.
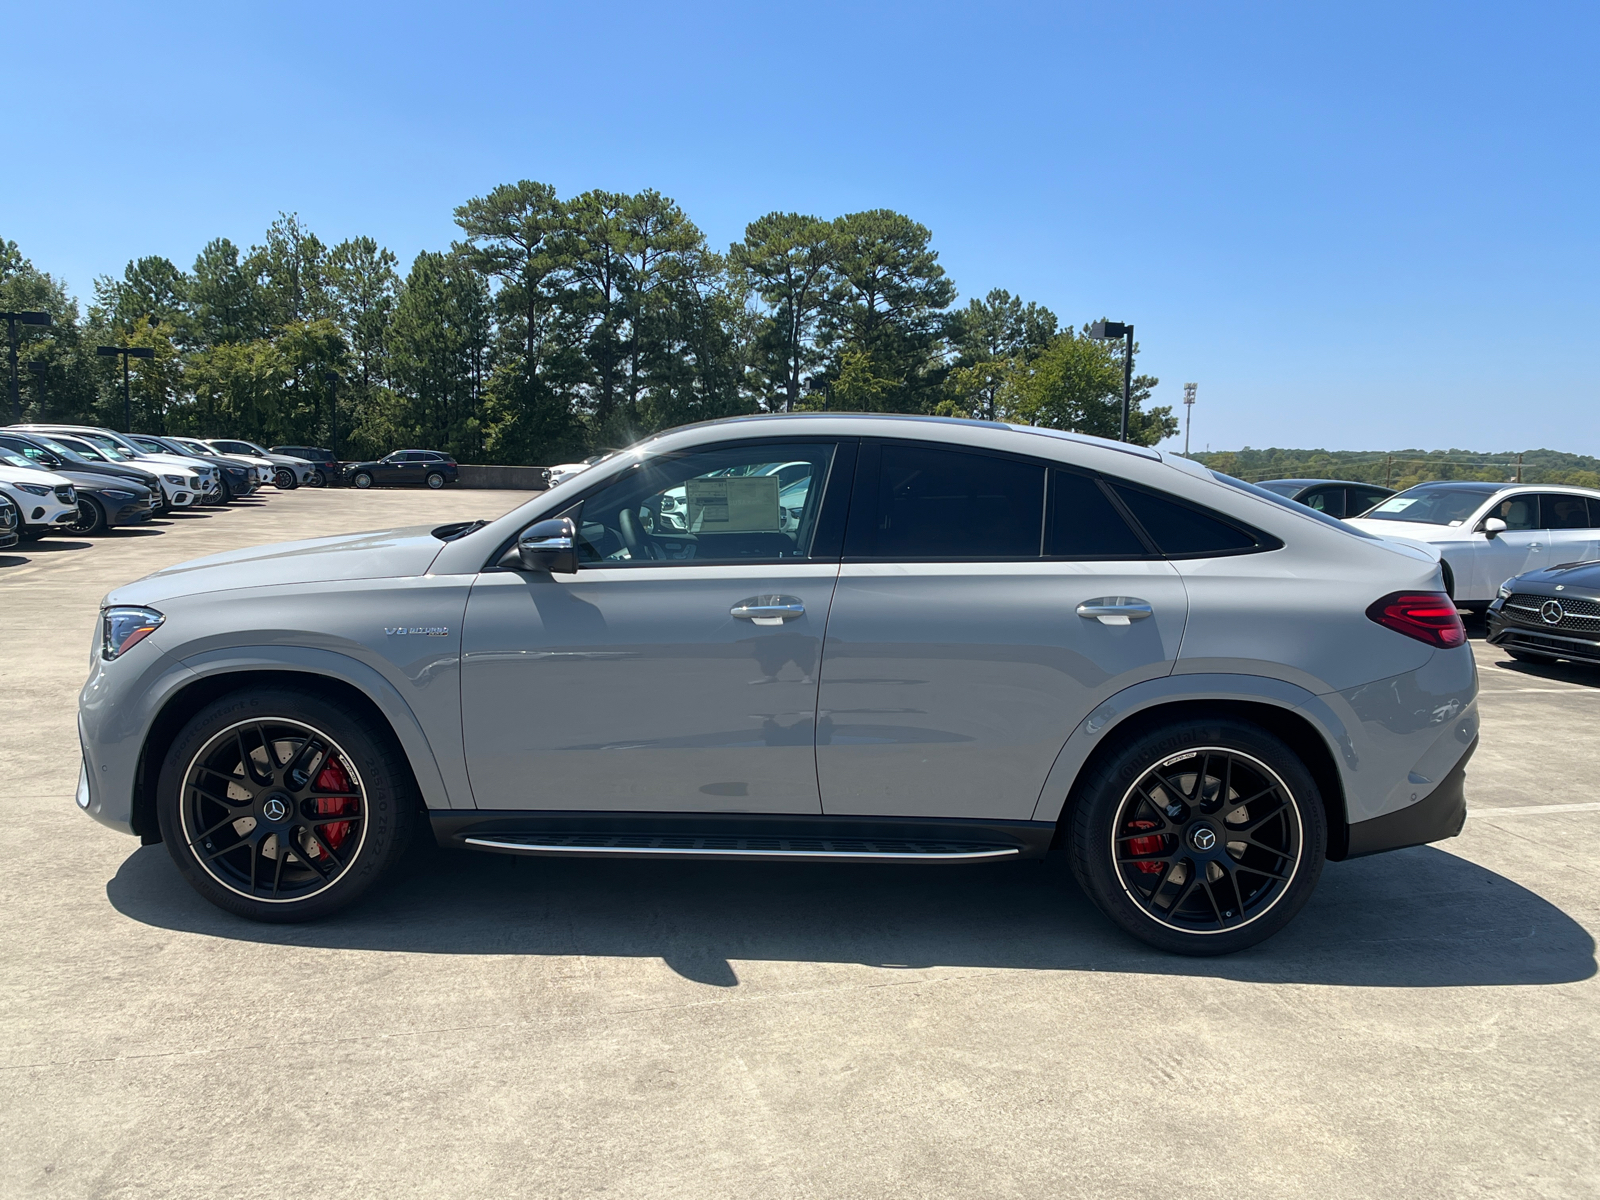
column 1428, row 1026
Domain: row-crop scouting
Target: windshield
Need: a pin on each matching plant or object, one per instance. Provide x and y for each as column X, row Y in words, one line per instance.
column 55, row 447
column 12, row 459
column 109, row 445
column 1430, row 505
column 1292, row 505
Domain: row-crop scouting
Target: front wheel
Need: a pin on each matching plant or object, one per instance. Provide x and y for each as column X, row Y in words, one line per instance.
column 1200, row 837
column 362, row 480
column 435, row 480
column 283, row 479
column 278, row 805
column 91, row 517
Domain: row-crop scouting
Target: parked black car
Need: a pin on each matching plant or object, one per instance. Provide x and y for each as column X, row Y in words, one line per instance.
column 1336, row 497
column 1551, row 614
column 105, row 503
column 331, row 469
column 427, row 467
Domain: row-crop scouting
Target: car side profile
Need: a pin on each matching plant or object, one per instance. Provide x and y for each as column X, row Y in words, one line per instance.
column 965, row 642
column 329, row 470
column 1488, row 532
column 429, row 468
column 1336, row 497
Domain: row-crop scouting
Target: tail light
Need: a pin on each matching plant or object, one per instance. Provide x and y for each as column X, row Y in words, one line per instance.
column 1427, row 616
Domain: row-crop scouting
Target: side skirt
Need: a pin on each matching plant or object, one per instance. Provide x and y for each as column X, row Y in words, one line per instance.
column 740, row 836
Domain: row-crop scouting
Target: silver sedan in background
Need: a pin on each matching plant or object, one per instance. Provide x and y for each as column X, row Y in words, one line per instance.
column 960, row 642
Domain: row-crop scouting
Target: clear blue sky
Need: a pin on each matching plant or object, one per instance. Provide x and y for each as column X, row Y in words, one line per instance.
column 1368, row 227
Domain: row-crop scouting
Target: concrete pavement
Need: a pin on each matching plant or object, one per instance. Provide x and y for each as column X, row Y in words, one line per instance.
column 495, row 1027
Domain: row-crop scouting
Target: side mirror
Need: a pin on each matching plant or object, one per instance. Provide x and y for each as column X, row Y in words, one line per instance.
column 1493, row 526
column 546, row 546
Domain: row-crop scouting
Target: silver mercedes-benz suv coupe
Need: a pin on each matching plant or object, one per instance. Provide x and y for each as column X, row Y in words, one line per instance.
column 960, row 642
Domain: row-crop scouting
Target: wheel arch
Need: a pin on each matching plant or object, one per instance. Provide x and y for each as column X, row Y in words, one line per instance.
column 177, row 708
column 1127, row 715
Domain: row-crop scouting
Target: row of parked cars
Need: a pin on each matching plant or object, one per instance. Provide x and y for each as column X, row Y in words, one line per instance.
column 81, row 479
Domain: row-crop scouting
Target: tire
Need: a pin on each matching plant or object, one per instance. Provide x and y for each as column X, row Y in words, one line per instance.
column 91, row 517
column 1206, row 898
column 318, row 479
column 283, row 479
column 1528, row 656
column 227, row 495
column 1449, row 579
column 290, row 857
column 435, row 480
column 361, row 480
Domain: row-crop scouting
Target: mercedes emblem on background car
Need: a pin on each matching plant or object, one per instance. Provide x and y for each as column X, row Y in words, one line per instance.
column 1552, row 612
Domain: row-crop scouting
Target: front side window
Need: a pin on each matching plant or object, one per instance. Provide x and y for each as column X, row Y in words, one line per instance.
column 750, row 503
column 932, row 503
column 1518, row 512
column 1362, row 499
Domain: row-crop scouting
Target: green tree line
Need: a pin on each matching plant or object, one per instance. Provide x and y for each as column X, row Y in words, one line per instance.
column 1403, row 468
column 556, row 327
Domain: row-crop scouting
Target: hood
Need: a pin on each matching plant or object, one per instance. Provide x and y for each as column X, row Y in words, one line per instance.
column 15, row 475
column 88, row 481
column 381, row 554
column 1410, row 531
column 1581, row 576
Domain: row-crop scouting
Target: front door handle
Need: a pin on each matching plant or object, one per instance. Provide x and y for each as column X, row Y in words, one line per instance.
column 768, row 610
column 1116, row 610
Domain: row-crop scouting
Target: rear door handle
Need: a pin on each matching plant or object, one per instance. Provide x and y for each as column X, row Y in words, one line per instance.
column 1116, row 610
column 768, row 610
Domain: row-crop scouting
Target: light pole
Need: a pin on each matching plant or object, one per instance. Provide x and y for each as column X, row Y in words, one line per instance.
column 127, row 352
column 332, row 380
column 1188, row 414
column 13, row 319
column 1107, row 331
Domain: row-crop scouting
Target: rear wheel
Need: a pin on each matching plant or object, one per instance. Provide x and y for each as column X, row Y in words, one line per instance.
column 91, row 517
column 318, row 479
column 435, row 480
column 283, row 479
column 1200, row 837
column 277, row 805
column 362, row 480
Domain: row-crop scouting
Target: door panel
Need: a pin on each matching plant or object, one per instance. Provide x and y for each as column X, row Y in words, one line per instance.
column 636, row 689
column 948, row 689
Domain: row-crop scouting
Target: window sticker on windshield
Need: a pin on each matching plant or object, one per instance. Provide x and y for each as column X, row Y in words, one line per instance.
column 733, row 504
column 1398, row 504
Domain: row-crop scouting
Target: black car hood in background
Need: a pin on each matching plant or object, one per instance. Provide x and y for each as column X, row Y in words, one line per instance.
column 1569, row 577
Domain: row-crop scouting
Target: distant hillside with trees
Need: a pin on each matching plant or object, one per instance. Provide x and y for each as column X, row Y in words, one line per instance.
column 555, row 327
column 1403, row 468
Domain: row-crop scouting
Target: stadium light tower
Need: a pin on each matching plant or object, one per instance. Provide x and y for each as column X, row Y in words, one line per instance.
column 1188, row 414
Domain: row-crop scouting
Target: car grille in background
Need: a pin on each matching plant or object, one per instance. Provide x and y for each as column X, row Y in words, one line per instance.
column 8, row 516
column 1579, row 616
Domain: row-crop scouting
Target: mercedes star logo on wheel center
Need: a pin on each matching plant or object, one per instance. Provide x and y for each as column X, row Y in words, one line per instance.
column 1203, row 838
column 274, row 809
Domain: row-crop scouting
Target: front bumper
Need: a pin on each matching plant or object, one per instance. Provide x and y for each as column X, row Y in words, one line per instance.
column 1559, row 643
column 134, row 512
column 1438, row 815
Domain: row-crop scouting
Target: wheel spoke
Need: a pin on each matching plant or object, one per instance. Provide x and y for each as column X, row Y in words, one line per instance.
column 247, row 761
column 1255, row 823
column 277, row 870
column 1161, row 881
column 1184, row 893
column 1232, row 808
column 1211, row 896
column 227, row 820
column 304, row 857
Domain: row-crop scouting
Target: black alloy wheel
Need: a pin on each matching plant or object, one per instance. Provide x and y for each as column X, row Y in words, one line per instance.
column 361, row 480
column 435, row 480
column 227, row 493
column 318, row 479
column 91, row 517
column 283, row 479
column 1200, row 838
column 279, row 806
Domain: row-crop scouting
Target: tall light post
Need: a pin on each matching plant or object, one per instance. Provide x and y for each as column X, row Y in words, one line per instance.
column 332, row 380
column 13, row 319
column 127, row 352
column 1188, row 414
column 1108, row 331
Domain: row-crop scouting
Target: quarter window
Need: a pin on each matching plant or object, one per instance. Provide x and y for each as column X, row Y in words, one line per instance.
column 1181, row 531
column 750, row 503
column 931, row 503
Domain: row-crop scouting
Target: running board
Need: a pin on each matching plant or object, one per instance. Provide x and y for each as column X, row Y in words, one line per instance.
column 741, row 837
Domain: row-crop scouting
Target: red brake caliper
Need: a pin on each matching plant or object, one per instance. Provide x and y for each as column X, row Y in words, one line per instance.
column 334, row 778
column 1153, row 844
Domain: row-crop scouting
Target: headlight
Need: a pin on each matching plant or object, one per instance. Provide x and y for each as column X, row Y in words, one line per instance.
column 123, row 628
column 177, row 479
column 117, row 494
column 35, row 489
column 1505, row 590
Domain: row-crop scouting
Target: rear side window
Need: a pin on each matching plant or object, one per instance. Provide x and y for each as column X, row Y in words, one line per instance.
column 1083, row 522
column 938, row 504
column 1362, row 499
column 1181, row 531
column 1564, row 512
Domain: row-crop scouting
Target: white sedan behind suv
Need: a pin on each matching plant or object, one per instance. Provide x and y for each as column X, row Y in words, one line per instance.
column 1487, row 532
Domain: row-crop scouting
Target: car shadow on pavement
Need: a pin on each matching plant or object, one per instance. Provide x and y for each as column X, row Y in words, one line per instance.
column 1413, row 918
column 50, row 545
column 1582, row 674
column 12, row 560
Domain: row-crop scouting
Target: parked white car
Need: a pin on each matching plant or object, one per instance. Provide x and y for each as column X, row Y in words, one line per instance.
column 1488, row 532
column 45, row 501
column 184, row 480
column 260, row 467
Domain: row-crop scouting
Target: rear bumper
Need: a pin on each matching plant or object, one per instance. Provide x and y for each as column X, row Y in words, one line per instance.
column 1438, row 815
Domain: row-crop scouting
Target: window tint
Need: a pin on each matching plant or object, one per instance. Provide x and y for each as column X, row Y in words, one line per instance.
column 1085, row 524
column 933, row 503
column 1362, row 499
column 1182, row 531
column 729, row 504
column 1563, row 512
column 1326, row 500
column 1518, row 512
